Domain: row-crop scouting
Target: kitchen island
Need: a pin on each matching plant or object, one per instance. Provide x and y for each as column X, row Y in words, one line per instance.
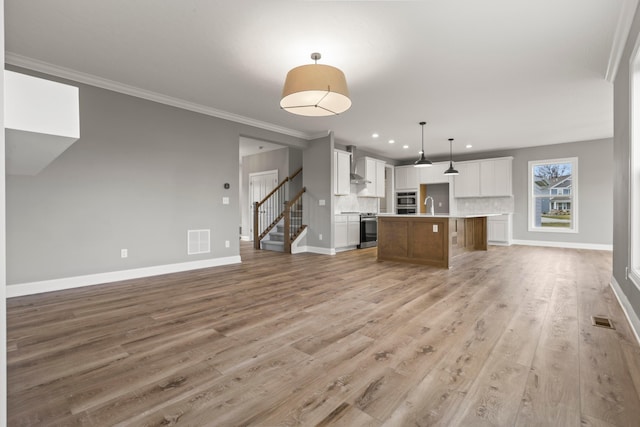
column 430, row 239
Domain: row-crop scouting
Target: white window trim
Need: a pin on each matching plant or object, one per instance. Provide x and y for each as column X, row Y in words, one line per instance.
column 633, row 269
column 574, row 196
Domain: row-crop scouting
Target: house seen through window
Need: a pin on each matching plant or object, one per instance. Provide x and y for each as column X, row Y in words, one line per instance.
column 553, row 201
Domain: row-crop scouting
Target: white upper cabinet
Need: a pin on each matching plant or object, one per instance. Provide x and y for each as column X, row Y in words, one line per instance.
column 433, row 174
column 406, row 177
column 341, row 172
column 484, row 178
column 495, row 177
column 467, row 184
column 372, row 170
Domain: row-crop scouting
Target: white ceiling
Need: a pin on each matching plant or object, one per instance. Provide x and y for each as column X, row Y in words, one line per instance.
column 496, row 74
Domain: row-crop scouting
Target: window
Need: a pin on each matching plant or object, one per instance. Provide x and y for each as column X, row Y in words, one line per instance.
column 634, row 170
column 553, row 195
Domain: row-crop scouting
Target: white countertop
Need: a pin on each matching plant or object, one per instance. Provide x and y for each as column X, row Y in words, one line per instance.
column 426, row 215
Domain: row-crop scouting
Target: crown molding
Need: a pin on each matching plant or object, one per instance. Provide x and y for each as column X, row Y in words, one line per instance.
column 625, row 19
column 67, row 73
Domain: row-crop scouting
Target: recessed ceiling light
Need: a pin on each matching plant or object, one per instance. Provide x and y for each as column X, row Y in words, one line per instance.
column 391, row 141
column 405, row 146
column 375, row 135
column 468, row 146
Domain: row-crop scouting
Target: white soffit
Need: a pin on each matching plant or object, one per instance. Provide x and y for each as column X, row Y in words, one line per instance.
column 42, row 119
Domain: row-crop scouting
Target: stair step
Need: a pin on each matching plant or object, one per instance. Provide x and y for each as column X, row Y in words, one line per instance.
column 277, row 236
column 280, row 228
column 272, row 245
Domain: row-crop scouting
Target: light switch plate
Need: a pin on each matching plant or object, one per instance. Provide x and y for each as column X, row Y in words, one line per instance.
column 225, row 200
column 321, row 202
column 435, row 228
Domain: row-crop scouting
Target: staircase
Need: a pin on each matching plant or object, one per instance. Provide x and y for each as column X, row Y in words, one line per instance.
column 277, row 231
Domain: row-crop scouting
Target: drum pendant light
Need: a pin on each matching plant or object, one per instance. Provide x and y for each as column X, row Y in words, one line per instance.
column 422, row 161
column 451, row 170
column 315, row 90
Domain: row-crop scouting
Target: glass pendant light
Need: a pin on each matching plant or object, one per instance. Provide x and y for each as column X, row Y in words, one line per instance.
column 451, row 170
column 422, row 161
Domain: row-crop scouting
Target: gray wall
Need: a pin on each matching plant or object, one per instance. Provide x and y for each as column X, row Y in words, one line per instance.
column 621, row 155
column 595, row 184
column 295, row 163
column 139, row 177
column 318, row 179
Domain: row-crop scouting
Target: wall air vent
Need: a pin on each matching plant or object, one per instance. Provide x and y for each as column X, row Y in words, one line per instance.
column 198, row 242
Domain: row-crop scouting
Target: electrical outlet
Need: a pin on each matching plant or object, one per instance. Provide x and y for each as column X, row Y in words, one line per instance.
column 124, row 253
column 226, row 244
column 322, row 202
column 320, row 236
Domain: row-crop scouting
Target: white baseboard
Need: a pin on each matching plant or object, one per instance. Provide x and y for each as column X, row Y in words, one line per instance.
column 296, row 248
column 568, row 245
column 632, row 316
column 315, row 250
column 492, row 243
column 30, row 288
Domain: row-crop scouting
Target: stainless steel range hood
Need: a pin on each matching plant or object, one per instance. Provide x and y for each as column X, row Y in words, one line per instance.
column 355, row 178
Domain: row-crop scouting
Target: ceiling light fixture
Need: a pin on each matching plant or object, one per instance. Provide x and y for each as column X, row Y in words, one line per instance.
column 451, row 170
column 422, row 161
column 315, row 90
column 391, row 141
column 375, row 135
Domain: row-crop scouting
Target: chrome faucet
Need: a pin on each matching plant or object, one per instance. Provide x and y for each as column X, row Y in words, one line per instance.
column 432, row 203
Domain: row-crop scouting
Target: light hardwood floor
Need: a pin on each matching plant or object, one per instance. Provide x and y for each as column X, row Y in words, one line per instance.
column 503, row 338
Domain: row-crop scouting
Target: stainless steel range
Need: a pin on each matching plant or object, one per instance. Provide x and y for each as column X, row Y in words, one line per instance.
column 368, row 230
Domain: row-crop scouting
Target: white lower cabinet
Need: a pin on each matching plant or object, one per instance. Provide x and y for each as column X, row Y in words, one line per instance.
column 499, row 230
column 347, row 230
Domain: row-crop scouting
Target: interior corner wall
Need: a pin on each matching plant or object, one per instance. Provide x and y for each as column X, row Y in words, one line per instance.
column 621, row 155
column 317, row 174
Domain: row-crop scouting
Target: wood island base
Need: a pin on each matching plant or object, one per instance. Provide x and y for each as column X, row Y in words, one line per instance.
column 430, row 240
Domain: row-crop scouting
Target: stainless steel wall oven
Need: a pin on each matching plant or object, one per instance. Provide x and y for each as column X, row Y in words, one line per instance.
column 406, row 202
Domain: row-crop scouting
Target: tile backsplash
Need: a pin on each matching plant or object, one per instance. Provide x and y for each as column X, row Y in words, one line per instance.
column 473, row 205
column 353, row 203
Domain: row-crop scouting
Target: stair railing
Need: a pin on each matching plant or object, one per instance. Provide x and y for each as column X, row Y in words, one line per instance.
column 270, row 210
column 293, row 220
